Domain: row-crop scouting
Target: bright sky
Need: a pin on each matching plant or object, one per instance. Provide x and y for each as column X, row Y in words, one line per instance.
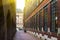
column 20, row 4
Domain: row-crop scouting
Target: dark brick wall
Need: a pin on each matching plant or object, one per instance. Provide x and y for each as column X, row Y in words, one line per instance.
column 58, row 15
column 58, row 12
column 7, row 22
column 11, row 26
column 49, row 15
column 2, row 33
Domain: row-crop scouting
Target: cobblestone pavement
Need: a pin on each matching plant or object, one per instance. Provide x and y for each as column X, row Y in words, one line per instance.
column 20, row 35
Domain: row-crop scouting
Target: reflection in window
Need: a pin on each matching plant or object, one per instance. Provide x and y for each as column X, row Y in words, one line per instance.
column 53, row 16
column 46, row 18
column 40, row 20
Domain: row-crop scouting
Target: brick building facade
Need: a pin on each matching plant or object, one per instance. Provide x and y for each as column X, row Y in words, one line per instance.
column 45, row 19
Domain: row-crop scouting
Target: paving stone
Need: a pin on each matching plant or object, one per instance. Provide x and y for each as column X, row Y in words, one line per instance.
column 20, row 35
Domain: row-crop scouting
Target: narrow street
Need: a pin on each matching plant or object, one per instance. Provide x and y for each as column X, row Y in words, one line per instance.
column 20, row 35
column 29, row 19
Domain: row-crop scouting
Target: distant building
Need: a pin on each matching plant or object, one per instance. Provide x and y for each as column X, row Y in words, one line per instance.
column 19, row 18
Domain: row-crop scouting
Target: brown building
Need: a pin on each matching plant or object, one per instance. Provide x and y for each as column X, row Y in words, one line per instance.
column 44, row 20
column 7, row 19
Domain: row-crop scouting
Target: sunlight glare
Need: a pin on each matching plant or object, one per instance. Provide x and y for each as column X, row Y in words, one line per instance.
column 20, row 4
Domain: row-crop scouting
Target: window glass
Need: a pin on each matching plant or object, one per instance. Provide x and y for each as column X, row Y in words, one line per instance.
column 53, row 16
column 40, row 20
column 46, row 18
